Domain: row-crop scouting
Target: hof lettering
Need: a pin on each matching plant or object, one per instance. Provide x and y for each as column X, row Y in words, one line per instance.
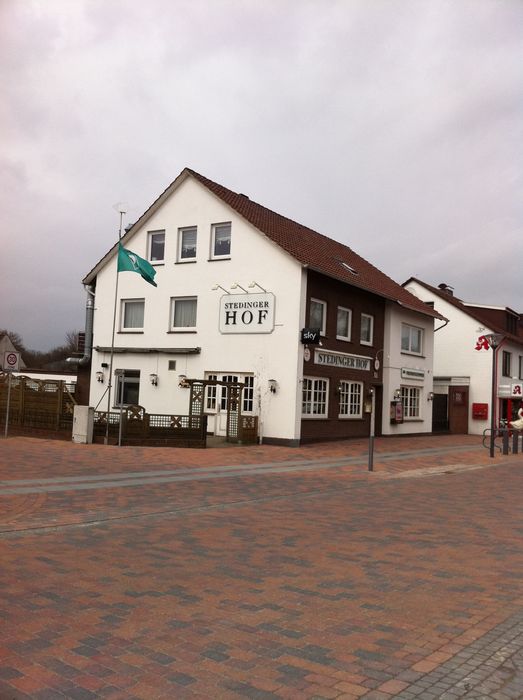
column 247, row 313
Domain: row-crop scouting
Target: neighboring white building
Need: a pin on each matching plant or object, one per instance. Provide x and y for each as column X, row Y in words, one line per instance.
column 237, row 284
column 463, row 363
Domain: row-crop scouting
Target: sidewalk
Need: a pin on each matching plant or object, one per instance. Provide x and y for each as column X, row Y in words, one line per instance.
column 261, row 572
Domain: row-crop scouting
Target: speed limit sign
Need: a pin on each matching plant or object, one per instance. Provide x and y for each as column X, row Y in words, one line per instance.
column 11, row 361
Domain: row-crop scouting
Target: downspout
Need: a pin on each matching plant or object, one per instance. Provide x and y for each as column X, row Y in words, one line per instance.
column 89, row 317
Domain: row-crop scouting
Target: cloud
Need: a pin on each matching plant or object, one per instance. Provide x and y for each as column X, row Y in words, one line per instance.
column 394, row 127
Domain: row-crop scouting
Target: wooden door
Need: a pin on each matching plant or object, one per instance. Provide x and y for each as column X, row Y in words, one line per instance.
column 459, row 409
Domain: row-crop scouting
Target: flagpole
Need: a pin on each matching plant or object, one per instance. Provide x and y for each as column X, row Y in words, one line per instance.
column 110, row 384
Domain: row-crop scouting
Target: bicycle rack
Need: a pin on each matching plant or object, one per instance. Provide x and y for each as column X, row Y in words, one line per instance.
column 505, row 434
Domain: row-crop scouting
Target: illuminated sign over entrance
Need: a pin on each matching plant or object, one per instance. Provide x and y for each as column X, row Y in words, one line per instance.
column 247, row 313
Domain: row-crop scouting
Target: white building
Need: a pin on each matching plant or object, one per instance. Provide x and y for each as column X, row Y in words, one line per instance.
column 463, row 362
column 236, row 285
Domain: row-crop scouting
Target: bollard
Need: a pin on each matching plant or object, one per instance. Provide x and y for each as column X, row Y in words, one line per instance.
column 505, row 442
column 515, row 441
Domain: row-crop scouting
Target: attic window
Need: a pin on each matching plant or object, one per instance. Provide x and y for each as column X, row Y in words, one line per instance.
column 348, row 267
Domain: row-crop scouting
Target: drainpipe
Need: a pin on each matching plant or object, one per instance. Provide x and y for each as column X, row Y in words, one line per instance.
column 89, row 315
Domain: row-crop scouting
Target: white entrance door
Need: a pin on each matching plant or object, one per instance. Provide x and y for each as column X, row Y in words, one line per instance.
column 216, row 400
column 221, row 404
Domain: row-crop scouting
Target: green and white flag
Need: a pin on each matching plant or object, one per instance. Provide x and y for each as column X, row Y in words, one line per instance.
column 130, row 262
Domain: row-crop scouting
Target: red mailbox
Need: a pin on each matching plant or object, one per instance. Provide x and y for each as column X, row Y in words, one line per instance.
column 480, row 411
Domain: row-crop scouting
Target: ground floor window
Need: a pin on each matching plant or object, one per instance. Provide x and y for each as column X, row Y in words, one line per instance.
column 314, row 398
column 351, row 405
column 127, row 388
column 248, row 394
column 410, row 398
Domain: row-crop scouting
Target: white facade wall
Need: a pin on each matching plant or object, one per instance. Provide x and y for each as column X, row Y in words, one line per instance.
column 456, row 358
column 277, row 355
column 395, row 360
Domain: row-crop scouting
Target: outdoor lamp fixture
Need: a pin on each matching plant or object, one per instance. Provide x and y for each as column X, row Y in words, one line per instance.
column 397, row 395
column 183, row 383
column 100, row 377
column 430, row 396
column 494, row 340
column 236, row 285
column 273, row 385
column 255, row 284
column 154, row 379
column 219, row 286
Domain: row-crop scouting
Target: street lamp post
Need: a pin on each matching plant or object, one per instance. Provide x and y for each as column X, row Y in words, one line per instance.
column 494, row 340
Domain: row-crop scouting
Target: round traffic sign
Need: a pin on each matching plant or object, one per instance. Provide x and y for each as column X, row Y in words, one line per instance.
column 11, row 359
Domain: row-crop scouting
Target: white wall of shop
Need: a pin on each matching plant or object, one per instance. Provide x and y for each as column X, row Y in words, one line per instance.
column 276, row 355
column 394, row 360
column 456, row 358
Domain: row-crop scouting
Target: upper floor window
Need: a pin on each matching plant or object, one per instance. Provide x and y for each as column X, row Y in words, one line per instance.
column 187, row 243
column 220, row 240
column 520, row 373
column 411, row 339
column 367, row 329
column 506, row 362
column 318, row 315
column 343, row 323
column 156, row 246
column 132, row 314
column 183, row 313
column 351, row 404
column 314, row 397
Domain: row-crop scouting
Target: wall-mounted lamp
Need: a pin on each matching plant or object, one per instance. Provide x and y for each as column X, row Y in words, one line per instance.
column 236, row 285
column 397, row 395
column 255, row 284
column 273, row 386
column 153, row 379
column 430, row 396
column 100, row 377
column 182, row 381
column 219, row 286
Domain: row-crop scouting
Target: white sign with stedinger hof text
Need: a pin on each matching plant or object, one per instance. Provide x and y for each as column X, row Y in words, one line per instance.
column 247, row 313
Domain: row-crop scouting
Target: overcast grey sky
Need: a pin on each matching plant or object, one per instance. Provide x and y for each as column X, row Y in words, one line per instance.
column 392, row 126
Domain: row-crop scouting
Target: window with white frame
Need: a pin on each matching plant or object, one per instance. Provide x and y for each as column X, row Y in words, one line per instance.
column 156, row 246
column 318, row 315
column 343, row 323
column 220, row 241
column 248, row 394
column 187, row 238
column 132, row 315
column 410, row 398
column 127, row 388
column 314, row 397
column 210, row 393
column 183, row 313
column 351, row 399
column 411, row 339
column 367, row 329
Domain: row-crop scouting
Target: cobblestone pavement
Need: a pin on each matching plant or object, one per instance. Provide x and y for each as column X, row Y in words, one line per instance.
column 261, row 573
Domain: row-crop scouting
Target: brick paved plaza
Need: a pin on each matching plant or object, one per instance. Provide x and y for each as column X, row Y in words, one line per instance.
column 261, row 572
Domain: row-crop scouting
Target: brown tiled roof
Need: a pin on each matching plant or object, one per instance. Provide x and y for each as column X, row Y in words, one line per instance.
column 308, row 247
column 315, row 250
column 472, row 311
